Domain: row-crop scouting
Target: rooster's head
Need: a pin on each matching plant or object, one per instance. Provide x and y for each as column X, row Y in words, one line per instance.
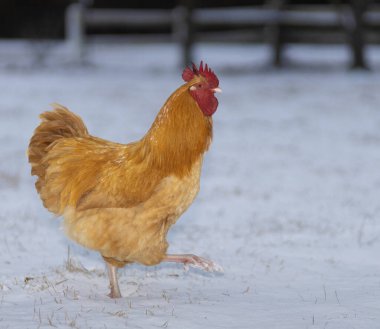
column 203, row 84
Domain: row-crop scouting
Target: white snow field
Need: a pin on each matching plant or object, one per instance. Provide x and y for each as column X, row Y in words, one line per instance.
column 289, row 202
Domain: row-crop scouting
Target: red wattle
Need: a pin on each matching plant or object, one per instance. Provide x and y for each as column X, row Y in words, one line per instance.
column 206, row 100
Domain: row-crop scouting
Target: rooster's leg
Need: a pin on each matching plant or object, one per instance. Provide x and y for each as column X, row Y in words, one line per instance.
column 194, row 261
column 112, row 274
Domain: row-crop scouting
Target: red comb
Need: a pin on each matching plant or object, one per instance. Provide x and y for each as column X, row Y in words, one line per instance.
column 206, row 72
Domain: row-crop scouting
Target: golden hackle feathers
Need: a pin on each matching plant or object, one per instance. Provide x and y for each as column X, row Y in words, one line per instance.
column 180, row 134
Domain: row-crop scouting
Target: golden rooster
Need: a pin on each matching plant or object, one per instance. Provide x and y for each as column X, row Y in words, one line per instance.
column 121, row 199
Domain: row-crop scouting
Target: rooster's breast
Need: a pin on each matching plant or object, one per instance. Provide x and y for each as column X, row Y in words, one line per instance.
column 136, row 234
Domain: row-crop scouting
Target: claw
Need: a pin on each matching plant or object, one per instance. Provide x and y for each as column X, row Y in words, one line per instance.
column 196, row 262
column 203, row 264
column 114, row 294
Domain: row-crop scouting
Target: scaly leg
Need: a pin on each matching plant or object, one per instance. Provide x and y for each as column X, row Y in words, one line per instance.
column 194, row 261
column 112, row 274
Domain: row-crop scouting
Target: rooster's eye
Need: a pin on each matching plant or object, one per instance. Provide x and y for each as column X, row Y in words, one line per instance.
column 195, row 87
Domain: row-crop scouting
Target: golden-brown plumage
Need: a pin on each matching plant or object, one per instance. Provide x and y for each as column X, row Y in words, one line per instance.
column 121, row 199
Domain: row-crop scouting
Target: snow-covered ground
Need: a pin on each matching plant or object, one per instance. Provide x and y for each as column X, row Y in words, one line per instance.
column 289, row 200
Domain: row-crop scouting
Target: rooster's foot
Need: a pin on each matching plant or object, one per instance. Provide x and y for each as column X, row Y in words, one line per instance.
column 194, row 261
column 114, row 294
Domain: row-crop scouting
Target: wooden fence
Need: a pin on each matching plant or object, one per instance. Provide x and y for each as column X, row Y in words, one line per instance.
column 277, row 23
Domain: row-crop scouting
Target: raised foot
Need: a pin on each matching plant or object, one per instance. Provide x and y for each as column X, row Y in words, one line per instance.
column 195, row 261
column 202, row 263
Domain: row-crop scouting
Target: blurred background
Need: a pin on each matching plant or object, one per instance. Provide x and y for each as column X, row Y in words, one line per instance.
column 289, row 199
column 275, row 23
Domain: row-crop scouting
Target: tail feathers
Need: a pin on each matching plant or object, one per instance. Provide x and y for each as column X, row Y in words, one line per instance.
column 56, row 124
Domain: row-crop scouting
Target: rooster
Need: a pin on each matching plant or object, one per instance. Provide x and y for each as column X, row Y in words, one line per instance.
column 121, row 199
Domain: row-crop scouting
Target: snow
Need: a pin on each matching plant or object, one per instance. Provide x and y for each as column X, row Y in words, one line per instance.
column 288, row 204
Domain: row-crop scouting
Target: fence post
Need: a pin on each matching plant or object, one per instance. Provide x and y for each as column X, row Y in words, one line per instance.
column 75, row 31
column 183, row 29
column 356, row 30
column 275, row 35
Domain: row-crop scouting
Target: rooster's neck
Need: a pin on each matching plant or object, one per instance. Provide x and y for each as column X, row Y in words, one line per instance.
column 180, row 134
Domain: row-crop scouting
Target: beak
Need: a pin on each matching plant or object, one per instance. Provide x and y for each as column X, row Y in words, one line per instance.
column 217, row 90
